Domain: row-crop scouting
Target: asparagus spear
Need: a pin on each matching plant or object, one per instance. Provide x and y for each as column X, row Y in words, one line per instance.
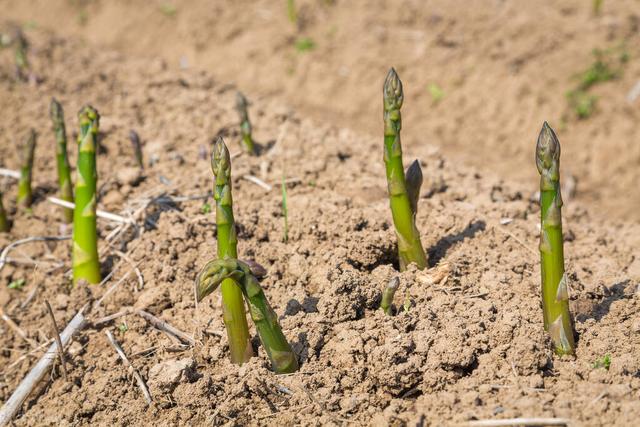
column 4, row 222
column 233, row 312
column 64, row 171
column 282, row 357
column 388, row 294
column 245, row 124
column 137, row 148
column 403, row 192
column 555, row 296
column 85, row 235
column 25, row 195
column 22, row 64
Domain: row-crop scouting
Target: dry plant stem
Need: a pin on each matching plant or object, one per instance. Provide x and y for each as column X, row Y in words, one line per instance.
column 233, row 311
column 402, row 209
column 62, row 161
column 85, row 235
column 4, row 222
column 5, row 251
column 56, row 335
column 16, row 328
column 100, row 214
column 137, row 148
column 25, row 195
column 165, row 327
column 519, row 422
column 136, row 374
column 245, row 124
column 275, row 343
column 555, row 295
column 388, row 294
column 13, row 404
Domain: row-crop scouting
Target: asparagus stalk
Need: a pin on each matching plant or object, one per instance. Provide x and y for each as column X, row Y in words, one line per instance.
column 25, row 194
column 282, row 357
column 233, row 311
column 387, row 295
column 403, row 192
column 555, row 296
column 137, row 148
column 64, row 171
column 86, row 264
column 245, row 124
column 4, row 222
column 22, row 64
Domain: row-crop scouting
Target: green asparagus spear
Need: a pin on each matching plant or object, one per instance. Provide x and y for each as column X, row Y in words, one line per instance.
column 555, row 296
column 86, row 264
column 403, row 192
column 25, row 195
column 388, row 294
column 22, row 64
column 233, row 311
column 64, row 171
column 282, row 357
column 4, row 222
column 137, row 148
column 245, row 124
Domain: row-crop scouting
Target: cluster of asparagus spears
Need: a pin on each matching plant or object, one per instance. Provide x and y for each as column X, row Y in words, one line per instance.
column 404, row 189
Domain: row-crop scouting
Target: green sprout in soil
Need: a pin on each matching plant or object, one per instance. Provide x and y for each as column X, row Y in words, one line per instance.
column 387, row 296
column 233, row 312
column 608, row 65
column 245, row 124
column 305, row 44
column 168, row 9
column 603, row 362
column 291, row 11
column 285, row 211
column 25, row 194
column 62, row 161
column 4, row 221
column 282, row 357
column 123, row 327
column 403, row 189
column 86, row 264
column 436, row 92
column 205, row 208
column 137, row 147
column 555, row 293
column 597, row 6
column 17, row 284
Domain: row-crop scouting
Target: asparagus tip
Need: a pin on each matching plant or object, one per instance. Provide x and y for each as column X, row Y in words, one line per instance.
column 220, row 157
column 392, row 89
column 547, row 148
column 241, row 101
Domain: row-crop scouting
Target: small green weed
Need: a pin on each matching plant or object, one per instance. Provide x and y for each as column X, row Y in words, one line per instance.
column 305, row 44
column 603, row 362
column 205, row 208
column 17, row 284
column 436, row 92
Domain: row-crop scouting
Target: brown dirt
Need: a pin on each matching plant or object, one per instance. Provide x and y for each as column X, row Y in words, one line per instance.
column 504, row 67
column 470, row 346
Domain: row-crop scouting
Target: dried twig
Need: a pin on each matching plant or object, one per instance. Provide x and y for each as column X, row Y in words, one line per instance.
column 16, row 329
column 136, row 374
column 101, row 214
column 519, row 422
column 10, row 173
column 135, row 268
column 5, row 251
column 13, row 404
column 258, row 182
column 165, row 327
column 56, row 335
column 111, row 289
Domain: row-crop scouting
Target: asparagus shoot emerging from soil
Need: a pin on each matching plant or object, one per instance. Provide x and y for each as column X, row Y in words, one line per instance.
column 25, row 195
column 4, row 222
column 282, row 357
column 85, row 235
column 403, row 191
column 388, row 294
column 233, row 312
column 245, row 124
column 64, row 171
column 22, row 64
column 285, row 210
column 137, row 148
column 555, row 296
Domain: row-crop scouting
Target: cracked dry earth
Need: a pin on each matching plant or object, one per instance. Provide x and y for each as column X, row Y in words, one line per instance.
column 466, row 342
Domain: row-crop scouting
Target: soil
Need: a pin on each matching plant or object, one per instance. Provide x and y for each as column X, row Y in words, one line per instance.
column 466, row 341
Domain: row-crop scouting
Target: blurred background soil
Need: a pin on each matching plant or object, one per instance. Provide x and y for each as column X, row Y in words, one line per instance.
column 480, row 76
